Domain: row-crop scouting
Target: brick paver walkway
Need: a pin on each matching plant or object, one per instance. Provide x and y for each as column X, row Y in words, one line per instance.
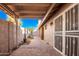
column 37, row 47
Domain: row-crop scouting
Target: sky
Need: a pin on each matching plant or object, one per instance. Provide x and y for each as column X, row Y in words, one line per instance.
column 26, row 22
column 3, row 15
column 29, row 22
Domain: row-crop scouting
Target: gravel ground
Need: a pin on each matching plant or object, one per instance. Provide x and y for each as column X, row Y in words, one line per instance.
column 37, row 47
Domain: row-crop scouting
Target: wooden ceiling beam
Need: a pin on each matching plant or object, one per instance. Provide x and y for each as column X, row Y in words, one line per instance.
column 31, row 8
column 31, row 16
column 22, row 14
column 48, row 12
column 33, row 12
column 11, row 7
column 31, row 4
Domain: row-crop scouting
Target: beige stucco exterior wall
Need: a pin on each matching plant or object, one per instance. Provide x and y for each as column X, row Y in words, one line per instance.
column 48, row 34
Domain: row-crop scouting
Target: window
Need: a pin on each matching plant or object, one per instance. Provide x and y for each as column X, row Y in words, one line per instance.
column 58, row 42
column 58, row 33
column 72, row 19
column 71, row 33
column 58, row 24
column 71, row 46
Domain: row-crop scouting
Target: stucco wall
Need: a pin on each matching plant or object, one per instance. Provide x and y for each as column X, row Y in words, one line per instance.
column 48, row 33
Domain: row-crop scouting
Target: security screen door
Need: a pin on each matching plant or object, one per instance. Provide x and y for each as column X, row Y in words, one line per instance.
column 71, row 25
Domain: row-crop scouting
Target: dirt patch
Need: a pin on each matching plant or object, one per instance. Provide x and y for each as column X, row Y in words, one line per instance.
column 28, row 40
